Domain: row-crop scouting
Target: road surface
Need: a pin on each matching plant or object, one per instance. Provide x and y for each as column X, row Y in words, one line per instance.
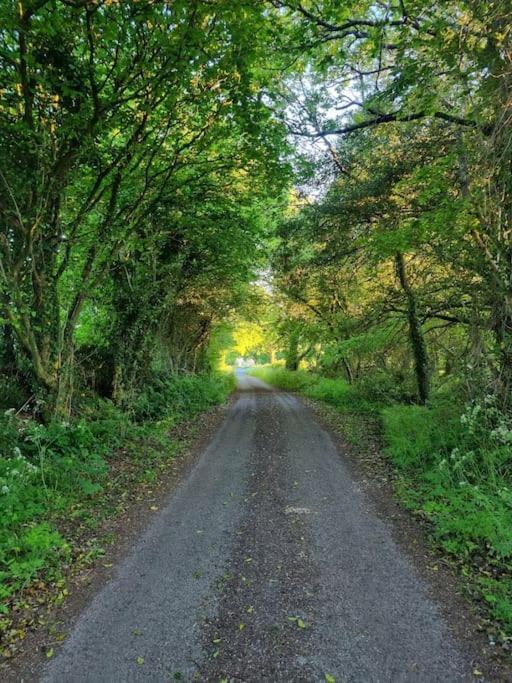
column 268, row 564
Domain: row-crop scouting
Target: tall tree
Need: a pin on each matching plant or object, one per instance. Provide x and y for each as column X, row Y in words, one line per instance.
column 103, row 105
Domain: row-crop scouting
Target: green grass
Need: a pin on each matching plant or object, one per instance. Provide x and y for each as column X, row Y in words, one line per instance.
column 54, row 476
column 284, row 379
column 454, row 465
column 178, row 397
column 336, row 392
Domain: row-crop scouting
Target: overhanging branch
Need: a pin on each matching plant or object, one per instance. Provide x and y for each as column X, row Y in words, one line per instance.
column 398, row 117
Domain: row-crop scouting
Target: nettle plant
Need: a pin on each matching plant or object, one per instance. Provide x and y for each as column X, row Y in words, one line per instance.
column 485, row 451
column 486, row 423
column 26, row 544
column 43, row 471
column 15, row 471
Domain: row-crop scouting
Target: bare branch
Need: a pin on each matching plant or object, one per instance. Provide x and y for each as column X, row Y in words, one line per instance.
column 398, row 117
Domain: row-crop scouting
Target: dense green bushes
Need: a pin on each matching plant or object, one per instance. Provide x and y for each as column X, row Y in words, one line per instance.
column 11, row 393
column 457, row 468
column 42, row 471
column 58, row 472
column 454, row 464
column 413, row 433
column 181, row 396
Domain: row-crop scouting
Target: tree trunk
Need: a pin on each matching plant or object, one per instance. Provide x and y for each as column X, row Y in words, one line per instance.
column 418, row 345
column 292, row 354
column 61, row 400
column 348, row 370
column 502, row 325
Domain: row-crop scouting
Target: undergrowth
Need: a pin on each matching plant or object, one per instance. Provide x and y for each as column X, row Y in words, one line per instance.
column 53, row 475
column 454, row 466
column 366, row 397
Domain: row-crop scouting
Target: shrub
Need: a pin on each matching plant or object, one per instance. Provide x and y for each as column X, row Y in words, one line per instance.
column 180, row 396
column 108, row 423
column 12, row 393
column 383, row 387
column 458, row 470
column 48, row 471
column 337, row 391
column 416, row 435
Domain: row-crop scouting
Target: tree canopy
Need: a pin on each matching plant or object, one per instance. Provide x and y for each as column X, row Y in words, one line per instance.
column 138, row 159
column 404, row 234
column 156, row 158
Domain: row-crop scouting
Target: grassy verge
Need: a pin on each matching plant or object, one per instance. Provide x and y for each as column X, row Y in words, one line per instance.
column 454, row 468
column 59, row 483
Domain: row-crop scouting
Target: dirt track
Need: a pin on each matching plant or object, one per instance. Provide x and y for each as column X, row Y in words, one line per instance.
column 268, row 564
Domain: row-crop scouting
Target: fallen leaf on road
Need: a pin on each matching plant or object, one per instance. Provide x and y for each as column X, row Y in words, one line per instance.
column 140, row 660
column 300, row 622
column 50, row 653
column 329, row 678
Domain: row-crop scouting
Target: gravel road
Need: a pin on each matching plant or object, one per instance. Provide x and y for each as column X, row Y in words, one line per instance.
column 268, row 563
